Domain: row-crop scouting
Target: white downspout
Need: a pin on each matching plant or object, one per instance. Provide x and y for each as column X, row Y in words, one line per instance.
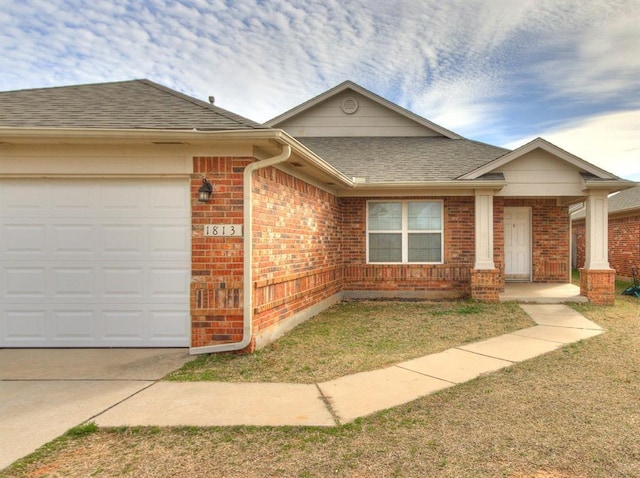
column 247, row 317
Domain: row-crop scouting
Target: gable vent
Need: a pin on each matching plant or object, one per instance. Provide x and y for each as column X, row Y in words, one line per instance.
column 349, row 105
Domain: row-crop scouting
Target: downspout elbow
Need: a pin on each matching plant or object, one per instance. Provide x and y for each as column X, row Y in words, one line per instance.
column 247, row 317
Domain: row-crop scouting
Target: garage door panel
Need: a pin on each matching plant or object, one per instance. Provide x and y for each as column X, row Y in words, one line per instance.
column 18, row 200
column 124, row 324
column 127, row 239
column 168, row 283
column 168, row 239
column 72, row 197
column 72, row 239
column 168, row 324
column 74, row 325
column 123, row 282
column 28, row 327
column 72, row 282
column 167, row 200
column 94, row 262
column 23, row 283
column 19, row 239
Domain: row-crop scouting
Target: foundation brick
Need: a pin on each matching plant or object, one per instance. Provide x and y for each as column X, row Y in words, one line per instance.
column 598, row 286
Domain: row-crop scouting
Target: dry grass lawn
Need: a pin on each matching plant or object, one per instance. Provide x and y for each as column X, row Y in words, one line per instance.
column 357, row 336
column 573, row 413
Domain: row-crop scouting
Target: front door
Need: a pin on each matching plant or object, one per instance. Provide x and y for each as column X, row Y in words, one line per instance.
column 517, row 243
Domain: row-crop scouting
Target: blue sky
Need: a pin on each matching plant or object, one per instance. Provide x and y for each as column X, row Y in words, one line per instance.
column 498, row 71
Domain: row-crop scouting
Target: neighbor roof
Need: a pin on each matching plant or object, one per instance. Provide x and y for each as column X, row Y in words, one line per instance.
column 627, row 200
column 403, row 159
column 136, row 104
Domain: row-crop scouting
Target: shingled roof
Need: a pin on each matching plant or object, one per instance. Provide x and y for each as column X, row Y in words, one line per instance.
column 403, row 159
column 625, row 201
column 135, row 104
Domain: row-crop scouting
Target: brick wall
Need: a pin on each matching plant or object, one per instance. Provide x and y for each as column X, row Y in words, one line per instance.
column 297, row 253
column 598, row 286
column 430, row 280
column 310, row 246
column 624, row 243
column 217, row 262
column 550, row 238
column 579, row 231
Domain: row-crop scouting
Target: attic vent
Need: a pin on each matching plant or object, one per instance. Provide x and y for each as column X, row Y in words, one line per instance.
column 349, row 105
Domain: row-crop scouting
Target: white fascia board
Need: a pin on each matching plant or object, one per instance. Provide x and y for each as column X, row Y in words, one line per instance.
column 421, row 188
column 550, row 148
column 610, row 185
column 84, row 135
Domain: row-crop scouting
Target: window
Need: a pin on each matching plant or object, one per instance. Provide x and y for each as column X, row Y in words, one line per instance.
column 404, row 232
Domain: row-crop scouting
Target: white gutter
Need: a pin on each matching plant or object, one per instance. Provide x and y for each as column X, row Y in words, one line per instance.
column 247, row 317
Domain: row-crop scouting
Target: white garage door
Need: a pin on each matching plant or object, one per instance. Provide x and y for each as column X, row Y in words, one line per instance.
column 94, row 263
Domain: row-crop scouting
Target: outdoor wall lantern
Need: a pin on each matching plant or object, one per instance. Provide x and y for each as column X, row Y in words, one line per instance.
column 205, row 191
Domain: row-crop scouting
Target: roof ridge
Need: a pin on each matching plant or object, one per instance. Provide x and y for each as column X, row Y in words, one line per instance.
column 200, row 103
column 70, row 86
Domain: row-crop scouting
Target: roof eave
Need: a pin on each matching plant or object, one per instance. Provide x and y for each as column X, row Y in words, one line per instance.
column 610, row 185
column 83, row 135
column 434, row 185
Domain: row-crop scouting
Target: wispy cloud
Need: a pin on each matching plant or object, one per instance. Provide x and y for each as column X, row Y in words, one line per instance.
column 609, row 140
column 493, row 70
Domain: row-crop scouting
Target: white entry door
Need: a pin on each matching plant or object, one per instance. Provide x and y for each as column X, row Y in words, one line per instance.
column 94, row 262
column 517, row 243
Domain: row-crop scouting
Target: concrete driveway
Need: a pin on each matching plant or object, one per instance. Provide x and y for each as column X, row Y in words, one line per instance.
column 45, row 392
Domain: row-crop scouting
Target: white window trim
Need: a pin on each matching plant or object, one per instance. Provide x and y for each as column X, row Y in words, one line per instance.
column 405, row 231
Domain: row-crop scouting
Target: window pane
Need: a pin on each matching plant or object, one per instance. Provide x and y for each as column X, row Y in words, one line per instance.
column 385, row 247
column 425, row 247
column 425, row 216
column 385, row 216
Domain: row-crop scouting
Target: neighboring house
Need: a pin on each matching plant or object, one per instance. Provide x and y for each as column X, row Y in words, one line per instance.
column 105, row 242
column 624, row 233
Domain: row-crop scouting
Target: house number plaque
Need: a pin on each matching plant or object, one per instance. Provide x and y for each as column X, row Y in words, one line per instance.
column 223, row 230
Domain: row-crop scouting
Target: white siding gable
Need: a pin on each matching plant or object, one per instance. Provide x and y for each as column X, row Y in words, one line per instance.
column 540, row 173
column 329, row 119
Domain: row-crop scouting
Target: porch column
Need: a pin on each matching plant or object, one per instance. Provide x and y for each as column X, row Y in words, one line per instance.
column 597, row 279
column 484, row 231
column 485, row 278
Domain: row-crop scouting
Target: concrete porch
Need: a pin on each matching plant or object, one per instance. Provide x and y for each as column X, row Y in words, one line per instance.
column 539, row 293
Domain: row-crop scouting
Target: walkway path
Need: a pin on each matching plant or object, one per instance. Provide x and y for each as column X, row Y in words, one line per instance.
column 347, row 398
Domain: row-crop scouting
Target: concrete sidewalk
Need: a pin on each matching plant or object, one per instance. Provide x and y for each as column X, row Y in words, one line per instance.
column 347, row 398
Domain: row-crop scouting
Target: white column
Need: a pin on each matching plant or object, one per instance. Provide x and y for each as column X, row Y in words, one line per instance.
column 597, row 237
column 484, row 230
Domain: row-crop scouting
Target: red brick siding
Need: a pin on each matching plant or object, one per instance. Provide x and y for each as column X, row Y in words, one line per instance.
column 486, row 285
column 550, row 238
column 297, row 255
column 452, row 276
column 310, row 245
column 598, row 286
column 624, row 244
column 579, row 237
column 217, row 263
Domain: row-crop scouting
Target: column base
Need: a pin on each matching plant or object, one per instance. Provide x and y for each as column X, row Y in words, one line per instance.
column 599, row 286
column 486, row 285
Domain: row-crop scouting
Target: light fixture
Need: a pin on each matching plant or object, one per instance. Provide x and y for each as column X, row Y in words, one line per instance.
column 205, row 191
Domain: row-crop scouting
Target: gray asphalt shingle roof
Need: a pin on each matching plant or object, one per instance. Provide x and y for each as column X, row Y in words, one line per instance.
column 623, row 201
column 136, row 104
column 403, row 159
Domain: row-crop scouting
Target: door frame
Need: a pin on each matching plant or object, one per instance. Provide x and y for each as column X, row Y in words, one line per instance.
column 521, row 278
